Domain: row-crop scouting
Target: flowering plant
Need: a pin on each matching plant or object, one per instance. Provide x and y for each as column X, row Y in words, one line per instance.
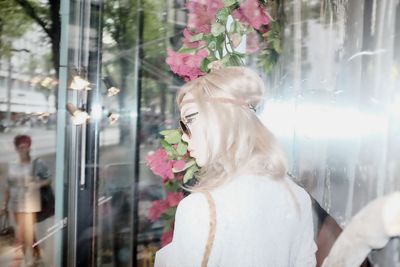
column 215, row 31
column 211, row 40
column 174, row 165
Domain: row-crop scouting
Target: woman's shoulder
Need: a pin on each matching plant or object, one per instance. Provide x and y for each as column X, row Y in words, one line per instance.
column 267, row 185
column 301, row 195
column 192, row 212
column 195, row 200
column 296, row 187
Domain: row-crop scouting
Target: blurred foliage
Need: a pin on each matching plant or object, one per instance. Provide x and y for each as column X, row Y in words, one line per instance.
column 46, row 14
column 121, row 26
column 268, row 57
column 13, row 24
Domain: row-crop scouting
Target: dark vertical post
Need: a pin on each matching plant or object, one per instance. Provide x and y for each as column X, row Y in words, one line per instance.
column 140, row 56
column 86, row 245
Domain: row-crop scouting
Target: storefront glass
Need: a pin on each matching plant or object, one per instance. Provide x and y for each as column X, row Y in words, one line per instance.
column 120, row 49
column 28, row 86
column 94, row 105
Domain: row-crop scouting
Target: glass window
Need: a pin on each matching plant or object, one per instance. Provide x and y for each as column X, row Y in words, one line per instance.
column 27, row 138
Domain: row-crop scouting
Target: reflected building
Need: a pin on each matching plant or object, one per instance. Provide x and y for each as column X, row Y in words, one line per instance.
column 27, row 81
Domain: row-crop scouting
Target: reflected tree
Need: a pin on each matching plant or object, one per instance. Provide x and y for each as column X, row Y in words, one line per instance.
column 13, row 24
column 120, row 25
column 121, row 33
column 46, row 15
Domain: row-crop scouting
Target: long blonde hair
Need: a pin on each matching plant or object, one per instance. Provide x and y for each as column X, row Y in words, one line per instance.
column 241, row 141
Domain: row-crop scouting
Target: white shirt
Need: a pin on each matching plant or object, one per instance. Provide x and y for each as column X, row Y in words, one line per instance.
column 260, row 222
column 24, row 185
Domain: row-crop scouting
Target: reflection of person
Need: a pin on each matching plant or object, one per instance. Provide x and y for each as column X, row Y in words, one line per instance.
column 262, row 218
column 23, row 194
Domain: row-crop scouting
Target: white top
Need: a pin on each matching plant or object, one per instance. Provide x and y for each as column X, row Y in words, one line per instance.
column 260, row 222
column 24, row 187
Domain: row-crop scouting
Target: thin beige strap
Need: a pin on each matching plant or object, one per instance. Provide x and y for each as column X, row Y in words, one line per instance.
column 211, row 232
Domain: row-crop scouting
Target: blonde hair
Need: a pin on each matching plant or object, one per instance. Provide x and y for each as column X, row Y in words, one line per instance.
column 241, row 141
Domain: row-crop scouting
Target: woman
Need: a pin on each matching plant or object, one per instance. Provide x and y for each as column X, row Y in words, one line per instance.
column 25, row 177
column 261, row 217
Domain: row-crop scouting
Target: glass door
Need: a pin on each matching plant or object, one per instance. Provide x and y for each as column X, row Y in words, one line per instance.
column 118, row 96
column 100, row 148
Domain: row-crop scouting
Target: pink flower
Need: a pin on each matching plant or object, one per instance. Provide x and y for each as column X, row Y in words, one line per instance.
column 252, row 13
column 202, row 14
column 157, row 209
column 173, row 199
column 160, row 165
column 179, row 165
column 252, row 44
column 186, row 66
column 166, row 238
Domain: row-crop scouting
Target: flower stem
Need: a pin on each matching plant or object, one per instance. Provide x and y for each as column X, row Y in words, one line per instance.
column 229, row 41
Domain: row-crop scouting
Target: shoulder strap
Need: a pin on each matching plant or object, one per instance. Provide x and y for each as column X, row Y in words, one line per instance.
column 212, row 229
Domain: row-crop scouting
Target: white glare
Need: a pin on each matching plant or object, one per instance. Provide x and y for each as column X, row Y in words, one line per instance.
column 321, row 121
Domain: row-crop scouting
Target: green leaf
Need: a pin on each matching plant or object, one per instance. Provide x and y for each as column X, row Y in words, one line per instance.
column 172, row 186
column 240, row 55
column 169, row 214
column 276, row 44
column 173, row 138
column 220, row 43
column 187, row 50
column 276, row 27
column 220, row 40
column 197, row 37
column 167, row 147
column 229, row 2
column 204, row 65
column 190, row 164
column 167, row 225
column 171, row 152
column 208, row 38
column 181, row 149
column 168, row 132
column 189, row 173
column 237, row 27
column 222, row 15
column 235, row 60
column 217, row 29
column 212, row 45
column 212, row 58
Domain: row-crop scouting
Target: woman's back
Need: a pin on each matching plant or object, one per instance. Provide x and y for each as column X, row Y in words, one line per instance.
column 260, row 222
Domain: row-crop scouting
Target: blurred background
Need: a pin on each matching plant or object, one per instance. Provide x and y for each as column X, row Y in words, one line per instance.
column 333, row 101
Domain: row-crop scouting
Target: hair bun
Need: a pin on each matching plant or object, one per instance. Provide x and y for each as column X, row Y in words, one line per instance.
column 241, row 83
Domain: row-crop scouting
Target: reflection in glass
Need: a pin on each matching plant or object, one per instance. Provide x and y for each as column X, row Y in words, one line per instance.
column 333, row 101
column 28, row 82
